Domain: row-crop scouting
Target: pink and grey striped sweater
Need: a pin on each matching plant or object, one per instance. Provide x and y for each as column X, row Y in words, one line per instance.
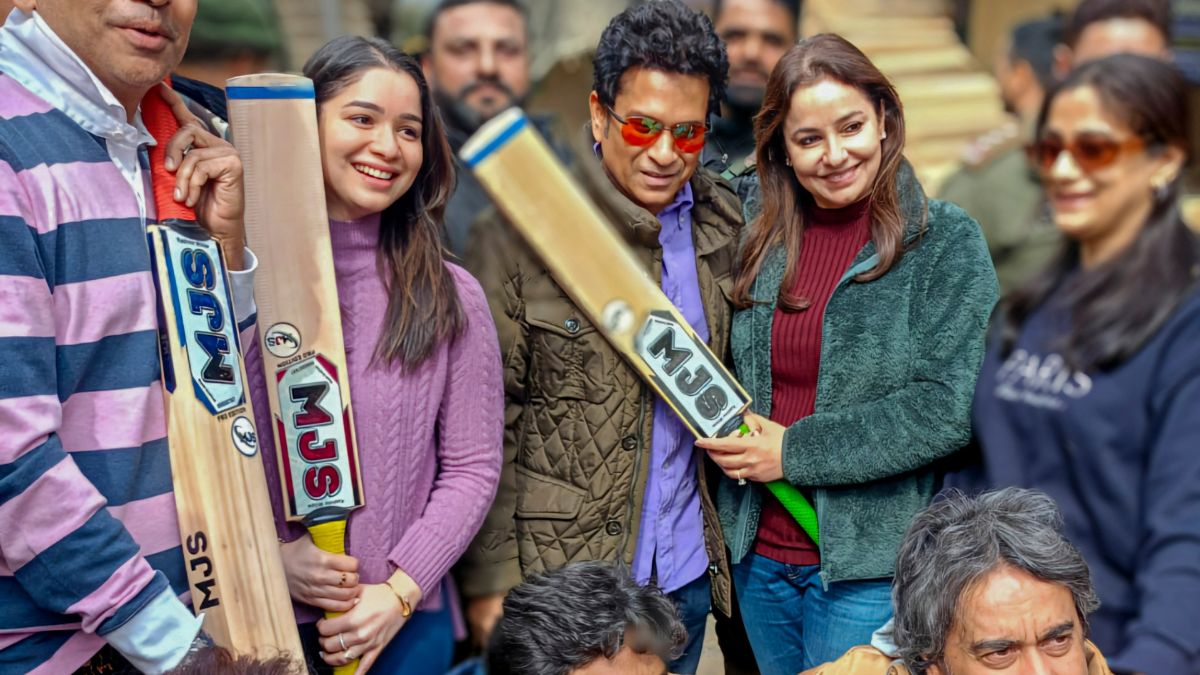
column 89, row 541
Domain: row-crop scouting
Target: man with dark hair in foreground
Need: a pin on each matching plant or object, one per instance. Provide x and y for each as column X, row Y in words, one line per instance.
column 587, row 618
column 985, row 585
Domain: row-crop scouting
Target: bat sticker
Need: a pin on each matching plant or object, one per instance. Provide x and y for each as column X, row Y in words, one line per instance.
column 699, row 388
column 282, row 340
column 206, row 324
column 314, row 430
column 245, row 439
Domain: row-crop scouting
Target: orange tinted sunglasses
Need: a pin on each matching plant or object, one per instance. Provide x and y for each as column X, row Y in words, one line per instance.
column 640, row 131
column 1090, row 151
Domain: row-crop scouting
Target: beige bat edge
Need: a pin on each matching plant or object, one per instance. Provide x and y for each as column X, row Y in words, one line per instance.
column 228, row 533
column 288, row 229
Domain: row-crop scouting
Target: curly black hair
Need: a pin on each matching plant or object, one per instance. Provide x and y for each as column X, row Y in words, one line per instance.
column 565, row 619
column 664, row 35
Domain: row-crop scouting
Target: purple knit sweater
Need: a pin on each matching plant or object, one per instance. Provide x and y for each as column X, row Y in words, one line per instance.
column 429, row 442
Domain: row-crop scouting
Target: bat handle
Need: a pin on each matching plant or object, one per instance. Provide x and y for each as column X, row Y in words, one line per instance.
column 791, row 498
column 330, row 536
column 795, row 503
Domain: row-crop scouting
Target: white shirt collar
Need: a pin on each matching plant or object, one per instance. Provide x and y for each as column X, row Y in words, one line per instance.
column 33, row 55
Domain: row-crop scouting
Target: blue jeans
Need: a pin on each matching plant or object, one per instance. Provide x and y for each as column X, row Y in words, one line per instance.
column 424, row 646
column 794, row 624
column 693, row 602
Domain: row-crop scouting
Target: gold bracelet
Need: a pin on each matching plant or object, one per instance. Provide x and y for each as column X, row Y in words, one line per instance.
column 405, row 607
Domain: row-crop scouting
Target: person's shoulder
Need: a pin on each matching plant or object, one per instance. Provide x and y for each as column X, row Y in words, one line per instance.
column 861, row 660
column 1182, row 329
column 991, row 148
column 468, row 287
column 711, row 188
column 950, row 221
column 24, row 115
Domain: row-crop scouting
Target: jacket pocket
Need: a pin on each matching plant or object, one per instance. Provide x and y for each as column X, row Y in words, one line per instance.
column 570, row 360
column 546, row 498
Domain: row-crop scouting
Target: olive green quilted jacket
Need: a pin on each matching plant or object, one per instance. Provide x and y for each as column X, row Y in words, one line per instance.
column 578, row 419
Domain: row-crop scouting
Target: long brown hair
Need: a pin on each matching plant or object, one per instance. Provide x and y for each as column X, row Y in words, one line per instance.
column 423, row 305
column 782, row 219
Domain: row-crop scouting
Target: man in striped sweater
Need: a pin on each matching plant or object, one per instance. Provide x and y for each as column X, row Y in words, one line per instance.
column 91, row 571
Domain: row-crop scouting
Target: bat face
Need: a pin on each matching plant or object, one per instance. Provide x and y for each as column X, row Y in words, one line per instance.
column 317, row 454
column 274, row 121
column 686, row 373
column 200, row 297
column 230, row 553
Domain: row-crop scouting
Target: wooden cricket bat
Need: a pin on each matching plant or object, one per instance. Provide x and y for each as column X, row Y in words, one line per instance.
column 232, row 557
column 274, row 122
column 602, row 276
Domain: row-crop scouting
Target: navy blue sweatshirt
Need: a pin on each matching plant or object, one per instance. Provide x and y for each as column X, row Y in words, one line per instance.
column 1120, row 452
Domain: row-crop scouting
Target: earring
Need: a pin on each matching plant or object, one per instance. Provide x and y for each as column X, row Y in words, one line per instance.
column 1162, row 192
column 787, row 160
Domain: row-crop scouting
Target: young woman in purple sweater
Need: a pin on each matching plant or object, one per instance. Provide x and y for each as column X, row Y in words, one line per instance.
column 424, row 369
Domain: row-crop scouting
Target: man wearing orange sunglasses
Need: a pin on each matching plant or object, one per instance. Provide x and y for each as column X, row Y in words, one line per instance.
column 597, row 468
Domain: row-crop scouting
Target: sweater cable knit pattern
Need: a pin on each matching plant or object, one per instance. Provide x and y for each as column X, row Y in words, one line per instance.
column 429, row 440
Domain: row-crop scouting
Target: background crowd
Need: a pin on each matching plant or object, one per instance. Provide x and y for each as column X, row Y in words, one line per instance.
column 1026, row 316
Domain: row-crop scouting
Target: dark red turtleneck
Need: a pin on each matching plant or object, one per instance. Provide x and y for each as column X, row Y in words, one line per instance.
column 832, row 238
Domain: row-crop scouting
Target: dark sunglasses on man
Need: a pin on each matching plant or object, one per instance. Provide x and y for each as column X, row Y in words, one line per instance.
column 640, row 131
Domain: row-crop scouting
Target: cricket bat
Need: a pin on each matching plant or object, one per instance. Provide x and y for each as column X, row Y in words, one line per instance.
column 274, row 123
column 602, row 276
column 234, row 570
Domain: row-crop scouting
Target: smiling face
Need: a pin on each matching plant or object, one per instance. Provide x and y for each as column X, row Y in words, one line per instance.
column 1106, row 207
column 130, row 46
column 653, row 174
column 833, row 137
column 757, row 33
column 370, row 143
column 1013, row 622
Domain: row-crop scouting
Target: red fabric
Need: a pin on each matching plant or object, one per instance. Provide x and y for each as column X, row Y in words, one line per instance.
column 160, row 121
column 832, row 239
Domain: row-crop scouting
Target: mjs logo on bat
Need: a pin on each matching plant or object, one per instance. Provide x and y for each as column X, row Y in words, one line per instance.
column 205, row 322
column 698, row 387
column 314, row 428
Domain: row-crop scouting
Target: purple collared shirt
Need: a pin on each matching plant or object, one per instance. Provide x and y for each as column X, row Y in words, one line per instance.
column 670, row 542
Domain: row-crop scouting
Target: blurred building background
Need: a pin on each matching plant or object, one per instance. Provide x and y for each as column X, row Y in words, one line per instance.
column 938, row 52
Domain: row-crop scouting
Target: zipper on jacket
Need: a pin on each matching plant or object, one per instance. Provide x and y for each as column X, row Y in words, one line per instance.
column 742, row 546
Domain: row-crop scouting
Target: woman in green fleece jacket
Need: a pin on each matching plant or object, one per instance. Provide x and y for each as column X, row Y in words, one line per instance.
column 863, row 313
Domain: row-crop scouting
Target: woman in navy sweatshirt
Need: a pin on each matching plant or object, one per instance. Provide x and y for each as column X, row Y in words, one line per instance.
column 1091, row 387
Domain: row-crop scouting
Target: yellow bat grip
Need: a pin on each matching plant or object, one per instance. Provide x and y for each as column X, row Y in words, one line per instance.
column 330, row 536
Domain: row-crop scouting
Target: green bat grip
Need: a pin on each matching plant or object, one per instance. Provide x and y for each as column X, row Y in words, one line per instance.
column 798, row 506
column 794, row 502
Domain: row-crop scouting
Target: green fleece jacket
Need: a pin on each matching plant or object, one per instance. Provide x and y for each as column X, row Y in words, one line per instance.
column 899, row 359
